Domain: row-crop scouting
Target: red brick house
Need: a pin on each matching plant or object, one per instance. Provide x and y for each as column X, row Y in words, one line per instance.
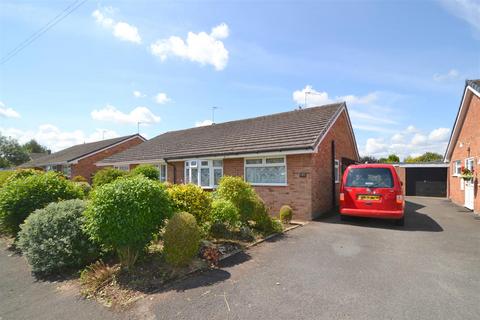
column 80, row 160
column 463, row 149
column 293, row 158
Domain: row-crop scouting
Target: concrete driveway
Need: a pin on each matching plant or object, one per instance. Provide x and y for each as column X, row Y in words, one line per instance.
column 359, row 269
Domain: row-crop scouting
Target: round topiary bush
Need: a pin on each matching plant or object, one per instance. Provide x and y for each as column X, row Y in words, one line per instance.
column 85, row 186
column 123, row 215
column 286, row 214
column 240, row 193
column 22, row 196
column 181, row 239
column 79, row 179
column 192, row 199
column 107, row 175
column 263, row 222
column 224, row 211
column 52, row 238
column 149, row 171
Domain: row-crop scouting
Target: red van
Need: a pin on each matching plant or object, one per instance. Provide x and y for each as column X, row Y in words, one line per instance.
column 372, row 190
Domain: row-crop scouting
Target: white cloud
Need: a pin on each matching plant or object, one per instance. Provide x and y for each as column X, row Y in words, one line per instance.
column 411, row 129
column 375, row 146
column 419, row 139
column 121, row 30
column 138, row 94
column 398, row 138
column 199, row 47
column 440, row 134
column 451, row 74
column 468, row 10
column 112, row 114
column 318, row 98
column 56, row 139
column 162, row 98
column 203, row 123
column 6, row 112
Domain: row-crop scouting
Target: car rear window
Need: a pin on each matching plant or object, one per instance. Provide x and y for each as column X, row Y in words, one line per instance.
column 370, row 178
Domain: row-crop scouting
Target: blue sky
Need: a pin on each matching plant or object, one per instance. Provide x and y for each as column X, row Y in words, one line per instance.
column 400, row 65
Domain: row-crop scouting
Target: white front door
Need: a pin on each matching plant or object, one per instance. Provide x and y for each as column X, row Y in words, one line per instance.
column 469, row 192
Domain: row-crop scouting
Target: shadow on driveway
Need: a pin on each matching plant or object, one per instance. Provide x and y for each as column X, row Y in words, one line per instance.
column 414, row 220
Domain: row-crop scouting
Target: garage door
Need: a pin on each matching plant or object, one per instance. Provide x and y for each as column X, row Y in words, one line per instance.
column 426, row 182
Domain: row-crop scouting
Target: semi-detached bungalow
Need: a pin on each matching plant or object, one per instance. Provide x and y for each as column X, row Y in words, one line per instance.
column 463, row 149
column 79, row 160
column 293, row 158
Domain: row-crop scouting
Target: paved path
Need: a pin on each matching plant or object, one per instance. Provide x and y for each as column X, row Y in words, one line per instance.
column 359, row 269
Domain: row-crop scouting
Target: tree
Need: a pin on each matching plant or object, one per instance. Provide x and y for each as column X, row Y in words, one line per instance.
column 392, row 158
column 368, row 159
column 11, row 152
column 426, row 157
column 33, row 146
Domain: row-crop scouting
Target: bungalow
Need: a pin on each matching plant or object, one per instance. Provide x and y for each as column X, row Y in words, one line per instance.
column 80, row 160
column 463, row 150
column 293, row 158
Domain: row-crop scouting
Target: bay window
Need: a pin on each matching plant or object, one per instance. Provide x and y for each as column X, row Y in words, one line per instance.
column 203, row 172
column 266, row 171
column 162, row 168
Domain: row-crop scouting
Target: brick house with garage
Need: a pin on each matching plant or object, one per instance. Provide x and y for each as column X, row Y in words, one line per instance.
column 293, row 158
column 79, row 160
column 463, row 149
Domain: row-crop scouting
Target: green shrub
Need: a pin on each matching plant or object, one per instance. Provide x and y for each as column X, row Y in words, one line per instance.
column 52, row 238
column 85, row 186
column 225, row 212
column 286, row 214
column 107, row 175
column 23, row 173
column 20, row 197
column 4, row 175
column 240, row 193
column 123, row 215
column 192, row 199
column 79, row 179
column 181, row 239
column 263, row 222
column 149, row 171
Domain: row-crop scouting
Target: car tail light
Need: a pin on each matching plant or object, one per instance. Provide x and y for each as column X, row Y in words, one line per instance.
column 342, row 196
column 399, row 199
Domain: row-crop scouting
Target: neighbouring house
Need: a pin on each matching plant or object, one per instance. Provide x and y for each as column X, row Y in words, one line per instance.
column 80, row 160
column 293, row 158
column 425, row 179
column 463, row 150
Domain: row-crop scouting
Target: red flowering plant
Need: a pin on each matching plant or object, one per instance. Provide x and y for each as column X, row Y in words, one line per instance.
column 467, row 174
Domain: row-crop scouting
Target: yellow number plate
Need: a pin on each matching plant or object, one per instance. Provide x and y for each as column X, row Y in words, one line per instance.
column 368, row 197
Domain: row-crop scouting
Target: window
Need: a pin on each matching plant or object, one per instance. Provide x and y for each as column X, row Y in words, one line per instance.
column 123, row 167
column 67, row 171
column 337, row 171
column 370, row 178
column 162, row 168
column 205, row 173
column 457, row 168
column 266, row 171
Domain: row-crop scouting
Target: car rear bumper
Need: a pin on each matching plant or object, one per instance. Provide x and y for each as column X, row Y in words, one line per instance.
column 382, row 214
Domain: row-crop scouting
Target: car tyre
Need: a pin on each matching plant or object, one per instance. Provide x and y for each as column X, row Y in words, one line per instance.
column 343, row 217
column 400, row 222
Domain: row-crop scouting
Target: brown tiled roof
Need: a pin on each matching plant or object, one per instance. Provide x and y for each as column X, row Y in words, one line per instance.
column 75, row 152
column 293, row 130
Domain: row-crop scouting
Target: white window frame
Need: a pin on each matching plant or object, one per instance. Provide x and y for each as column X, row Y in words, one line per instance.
column 122, row 167
column 337, row 171
column 265, row 164
column 472, row 160
column 457, row 168
column 159, row 167
column 197, row 164
column 67, row 170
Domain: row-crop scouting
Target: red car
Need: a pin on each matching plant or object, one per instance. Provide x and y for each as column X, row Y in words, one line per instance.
column 372, row 190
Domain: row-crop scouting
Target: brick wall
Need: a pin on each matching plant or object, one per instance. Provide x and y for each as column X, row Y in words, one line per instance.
column 470, row 137
column 86, row 167
column 322, row 165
